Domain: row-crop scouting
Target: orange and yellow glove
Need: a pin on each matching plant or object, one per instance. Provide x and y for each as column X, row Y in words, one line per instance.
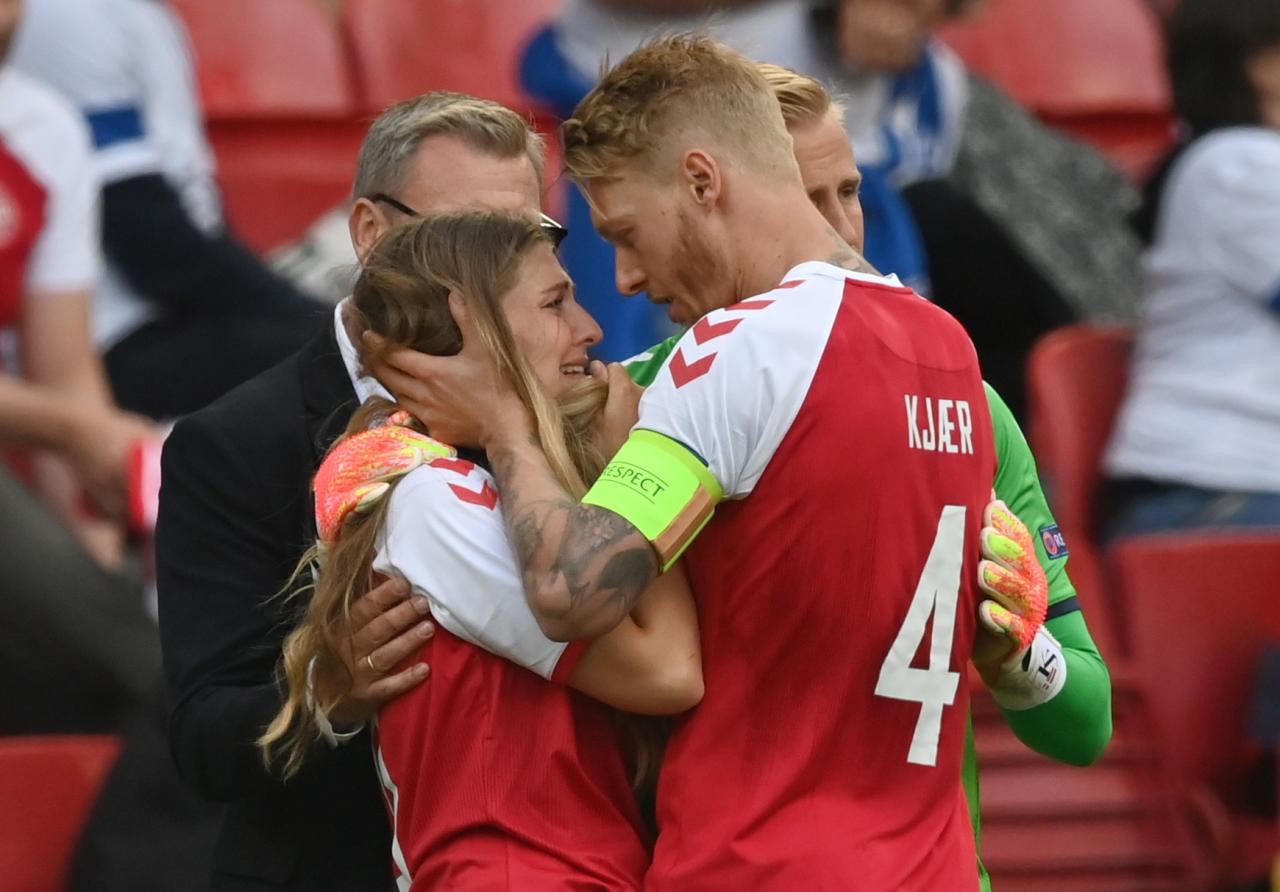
column 1021, row 662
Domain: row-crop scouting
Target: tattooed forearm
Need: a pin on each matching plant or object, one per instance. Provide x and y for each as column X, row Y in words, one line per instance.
column 582, row 566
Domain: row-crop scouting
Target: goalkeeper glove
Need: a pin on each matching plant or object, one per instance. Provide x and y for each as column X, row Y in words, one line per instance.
column 1021, row 662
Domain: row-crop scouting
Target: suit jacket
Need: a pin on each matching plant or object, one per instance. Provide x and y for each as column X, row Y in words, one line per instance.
column 235, row 517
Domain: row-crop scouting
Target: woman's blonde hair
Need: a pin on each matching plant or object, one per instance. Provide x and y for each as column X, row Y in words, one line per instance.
column 403, row 295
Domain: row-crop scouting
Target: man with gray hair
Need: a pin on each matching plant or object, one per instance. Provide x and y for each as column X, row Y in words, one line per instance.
column 236, row 517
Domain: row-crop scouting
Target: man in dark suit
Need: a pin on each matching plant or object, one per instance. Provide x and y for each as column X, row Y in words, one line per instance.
column 236, row 516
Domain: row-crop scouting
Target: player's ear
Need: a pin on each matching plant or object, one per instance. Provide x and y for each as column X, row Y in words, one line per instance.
column 366, row 224
column 701, row 176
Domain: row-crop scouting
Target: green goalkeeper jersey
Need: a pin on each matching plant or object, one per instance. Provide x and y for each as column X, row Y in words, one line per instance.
column 1075, row 726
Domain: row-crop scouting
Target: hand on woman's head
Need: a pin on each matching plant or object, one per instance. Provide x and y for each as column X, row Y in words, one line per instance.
column 462, row 400
column 621, row 409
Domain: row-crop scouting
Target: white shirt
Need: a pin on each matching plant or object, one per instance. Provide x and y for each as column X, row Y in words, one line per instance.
column 365, row 386
column 126, row 65
column 1203, row 406
column 47, row 136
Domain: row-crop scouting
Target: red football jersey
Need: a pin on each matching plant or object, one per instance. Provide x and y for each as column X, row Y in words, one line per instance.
column 846, row 420
column 498, row 778
column 22, row 204
column 49, row 239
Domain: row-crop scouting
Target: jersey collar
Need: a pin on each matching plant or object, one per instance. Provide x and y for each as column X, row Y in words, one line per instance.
column 830, row 271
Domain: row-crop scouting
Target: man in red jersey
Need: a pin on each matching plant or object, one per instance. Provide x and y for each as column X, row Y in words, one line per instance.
column 842, row 422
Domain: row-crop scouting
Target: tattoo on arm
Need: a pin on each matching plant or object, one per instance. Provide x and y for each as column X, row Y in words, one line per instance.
column 600, row 559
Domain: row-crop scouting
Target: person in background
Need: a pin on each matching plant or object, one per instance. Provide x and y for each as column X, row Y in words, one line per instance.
column 976, row 172
column 96, row 652
column 1197, row 439
column 184, row 311
column 236, row 515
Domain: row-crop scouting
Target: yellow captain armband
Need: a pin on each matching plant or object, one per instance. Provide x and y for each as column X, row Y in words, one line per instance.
column 662, row 488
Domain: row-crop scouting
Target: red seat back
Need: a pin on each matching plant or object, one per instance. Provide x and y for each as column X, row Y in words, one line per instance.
column 47, row 786
column 406, row 47
column 1202, row 608
column 278, row 97
column 1094, row 68
column 267, row 59
column 1076, row 378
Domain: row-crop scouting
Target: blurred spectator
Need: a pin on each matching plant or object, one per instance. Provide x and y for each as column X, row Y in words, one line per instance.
column 184, row 311
column 1023, row 228
column 1197, row 441
column 76, row 646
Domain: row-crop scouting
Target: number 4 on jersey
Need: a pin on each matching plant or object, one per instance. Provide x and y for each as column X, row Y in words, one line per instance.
column 937, row 594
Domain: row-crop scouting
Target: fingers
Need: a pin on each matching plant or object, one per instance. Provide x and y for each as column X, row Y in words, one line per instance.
column 387, row 625
column 1005, row 586
column 998, row 547
column 391, row 654
column 1001, row 622
column 462, row 315
column 998, row 516
column 377, row 601
column 597, row 369
column 387, row 689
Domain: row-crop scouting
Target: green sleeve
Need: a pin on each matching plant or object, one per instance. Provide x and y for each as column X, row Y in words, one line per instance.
column 1075, row 726
column 644, row 368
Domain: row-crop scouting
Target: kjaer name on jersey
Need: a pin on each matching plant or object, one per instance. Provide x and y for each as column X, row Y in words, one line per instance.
column 940, row 425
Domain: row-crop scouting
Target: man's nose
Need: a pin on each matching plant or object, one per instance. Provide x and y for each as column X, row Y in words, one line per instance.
column 629, row 277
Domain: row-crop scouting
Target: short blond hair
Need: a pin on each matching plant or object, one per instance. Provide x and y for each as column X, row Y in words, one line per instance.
column 804, row 99
column 482, row 124
column 671, row 85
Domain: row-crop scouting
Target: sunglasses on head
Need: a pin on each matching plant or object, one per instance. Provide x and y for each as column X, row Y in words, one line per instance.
column 554, row 230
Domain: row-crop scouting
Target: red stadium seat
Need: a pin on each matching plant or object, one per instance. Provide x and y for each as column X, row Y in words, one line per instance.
column 274, row 59
column 1076, row 377
column 1202, row 609
column 1094, row 68
column 1114, row 826
column 47, row 786
column 278, row 97
column 406, row 47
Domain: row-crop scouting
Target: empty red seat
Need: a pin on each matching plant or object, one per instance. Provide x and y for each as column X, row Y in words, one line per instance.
column 1116, row 825
column 278, row 97
column 1202, row 609
column 1095, row 68
column 47, row 786
column 406, row 47
column 1076, row 378
column 267, row 59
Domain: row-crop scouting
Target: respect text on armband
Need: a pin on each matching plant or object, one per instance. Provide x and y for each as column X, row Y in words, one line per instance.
column 635, row 478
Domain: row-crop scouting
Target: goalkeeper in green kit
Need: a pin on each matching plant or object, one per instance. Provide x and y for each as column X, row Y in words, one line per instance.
column 1051, row 683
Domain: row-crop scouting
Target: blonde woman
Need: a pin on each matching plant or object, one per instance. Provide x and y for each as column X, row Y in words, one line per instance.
column 499, row 774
